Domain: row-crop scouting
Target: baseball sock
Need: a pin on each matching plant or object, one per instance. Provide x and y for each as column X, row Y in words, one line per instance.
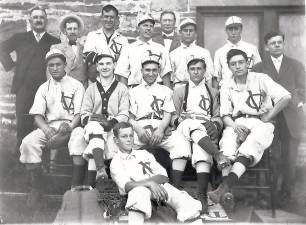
column 206, row 144
column 236, row 172
column 91, row 178
column 203, row 179
column 176, row 177
column 78, row 173
column 98, row 157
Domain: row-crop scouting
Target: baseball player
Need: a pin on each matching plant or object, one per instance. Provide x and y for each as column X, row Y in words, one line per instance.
column 151, row 109
column 56, row 108
column 233, row 28
column 198, row 119
column 72, row 26
column 138, row 175
column 185, row 51
column 105, row 103
column 249, row 102
column 129, row 63
column 105, row 39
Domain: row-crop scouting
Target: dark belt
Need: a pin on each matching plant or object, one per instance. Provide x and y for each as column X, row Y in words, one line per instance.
column 246, row 116
column 149, row 116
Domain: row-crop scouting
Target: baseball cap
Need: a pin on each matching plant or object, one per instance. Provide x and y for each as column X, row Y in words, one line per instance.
column 187, row 21
column 145, row 18
column 192, row 58
column 71, row 16
column 54, row 53
column 233, row 20
column 150, row 55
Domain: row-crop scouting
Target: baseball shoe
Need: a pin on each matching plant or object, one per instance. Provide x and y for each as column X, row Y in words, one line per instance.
column 216, row 195
column 203, row 200
column 227, row 201
column 101, row 174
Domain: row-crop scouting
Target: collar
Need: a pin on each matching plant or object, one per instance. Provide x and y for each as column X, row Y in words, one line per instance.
column 58, row 82
column 100, row 31
column 191, row 45
column 146, row 86
column 140, row 42
column 193, row 85
column 125, row 155
column 233, row 84
column 168, row 35
column 278, row 59
column 41, row 34
column 99, row 80
column 234, row 45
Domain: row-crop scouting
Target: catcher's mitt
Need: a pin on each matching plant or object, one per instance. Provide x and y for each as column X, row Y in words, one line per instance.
column 61, row 137
column 104, row 122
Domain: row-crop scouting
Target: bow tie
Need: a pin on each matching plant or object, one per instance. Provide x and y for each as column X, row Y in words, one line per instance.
column 167, row 37
column 72, row 42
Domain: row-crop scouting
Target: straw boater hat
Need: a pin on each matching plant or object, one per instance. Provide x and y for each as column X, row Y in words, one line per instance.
column 71, row 16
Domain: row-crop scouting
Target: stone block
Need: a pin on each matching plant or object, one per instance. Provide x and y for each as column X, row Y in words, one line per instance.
column 176, row 5
column 17, row 5
column 8, row 28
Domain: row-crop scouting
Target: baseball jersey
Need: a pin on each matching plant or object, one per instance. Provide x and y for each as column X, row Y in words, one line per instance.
column 180, row 57
column 255, row 98
column 96, row 42
column 150, row 100
column 220, row 62
column 58, row 100
column 134, row 166
column 129, row 62
column 116, row 103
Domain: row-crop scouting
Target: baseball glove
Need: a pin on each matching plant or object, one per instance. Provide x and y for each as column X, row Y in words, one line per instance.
column 104, row 122
column 61, row 137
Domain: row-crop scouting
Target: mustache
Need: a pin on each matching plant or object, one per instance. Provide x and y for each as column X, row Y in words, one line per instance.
column 38, row 23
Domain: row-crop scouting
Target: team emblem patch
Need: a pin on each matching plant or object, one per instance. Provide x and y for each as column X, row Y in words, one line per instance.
column 116, row 48
column 205, row 104
column 156, row 106
column 146, row 169
column 254, row 101
column 67, row 103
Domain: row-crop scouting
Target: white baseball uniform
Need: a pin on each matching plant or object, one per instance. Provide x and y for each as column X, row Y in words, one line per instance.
column 147, row 104
column 129, row 62
column 253, row 100
column 140, row 165
column 96, row 42
column 180, row 57
column 202, row 105
column 115, row 104
column 57, row 102
column 220, row 62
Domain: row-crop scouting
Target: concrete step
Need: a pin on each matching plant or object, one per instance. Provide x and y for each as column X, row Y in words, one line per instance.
column 282, row 217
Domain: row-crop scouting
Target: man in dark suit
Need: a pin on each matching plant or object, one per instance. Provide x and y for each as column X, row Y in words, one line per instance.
column 30, row 72
column 291, row 75
column 168, row 37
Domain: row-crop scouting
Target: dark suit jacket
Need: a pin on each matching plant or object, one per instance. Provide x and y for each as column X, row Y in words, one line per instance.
column 30, row 63
column 292, row 77
column 176, row 42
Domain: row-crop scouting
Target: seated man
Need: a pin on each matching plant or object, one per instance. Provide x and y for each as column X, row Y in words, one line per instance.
column 151, row 111
column 139, row 176
column 249, row 102
column 56, row 106
column 105, row 103
column 198, row 119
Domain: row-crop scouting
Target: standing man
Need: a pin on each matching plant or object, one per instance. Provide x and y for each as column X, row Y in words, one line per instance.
column 72, row 26
column 188, row 49
column 129, row 63
column 105, row 39
column 30, row 72
column 249, row 102
column 233, row 29
column 291, row 75
column 168, row 37
column 105, row 103
column 56, row 109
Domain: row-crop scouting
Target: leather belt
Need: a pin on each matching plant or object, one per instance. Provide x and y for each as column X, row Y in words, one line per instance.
column 246, row 116
column 150, row 116
column 195, row 117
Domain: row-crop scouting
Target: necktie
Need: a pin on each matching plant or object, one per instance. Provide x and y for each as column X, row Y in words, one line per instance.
column 38, row 37
column 167, row 37
column 72, row 42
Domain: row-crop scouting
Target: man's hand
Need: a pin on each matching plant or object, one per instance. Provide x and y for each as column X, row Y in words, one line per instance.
column 242, row 132
column 158, row 192
column 211, row 129
column 265, row 117
column 143, row 135
column 156, row 137
column 222, row 160
column 168, row 132
column 49, row 132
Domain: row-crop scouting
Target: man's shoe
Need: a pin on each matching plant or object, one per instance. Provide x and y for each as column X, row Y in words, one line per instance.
column 227, row 201
column 101, row 174
column 216, row 195
column 203, row 200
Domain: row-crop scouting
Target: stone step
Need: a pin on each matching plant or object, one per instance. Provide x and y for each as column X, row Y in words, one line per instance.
column 282, row 217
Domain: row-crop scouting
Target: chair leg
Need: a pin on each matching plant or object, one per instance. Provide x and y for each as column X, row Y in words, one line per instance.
column 271, row 184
